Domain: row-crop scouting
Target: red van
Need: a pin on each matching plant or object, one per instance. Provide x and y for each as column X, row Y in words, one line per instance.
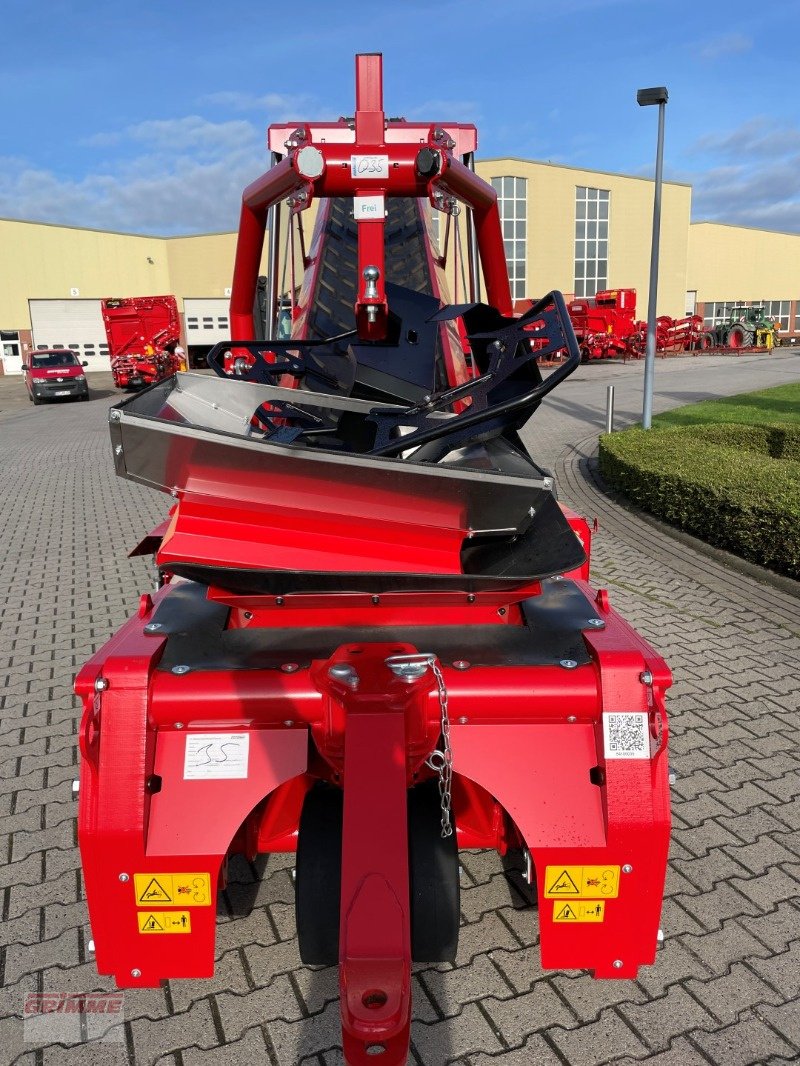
column 54, row 373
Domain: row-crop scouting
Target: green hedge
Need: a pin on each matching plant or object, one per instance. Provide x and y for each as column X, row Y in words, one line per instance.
column 734, row 486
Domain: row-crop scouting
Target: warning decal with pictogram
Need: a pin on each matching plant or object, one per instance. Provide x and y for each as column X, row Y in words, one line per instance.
column 581, row 882
column 563, row 885
column 164, row 921
column 162, row 889
column 154, row 893
column 580, row 911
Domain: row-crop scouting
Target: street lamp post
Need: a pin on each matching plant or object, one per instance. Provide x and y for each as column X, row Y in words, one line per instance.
column 645, row 98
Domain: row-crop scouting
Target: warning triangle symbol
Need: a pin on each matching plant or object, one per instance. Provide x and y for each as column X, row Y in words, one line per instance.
column 152, row 925
column 155, row 893
column 564, row 885
column 567, row 914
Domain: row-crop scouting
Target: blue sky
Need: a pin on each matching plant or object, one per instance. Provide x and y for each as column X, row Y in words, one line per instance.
column 150, row 117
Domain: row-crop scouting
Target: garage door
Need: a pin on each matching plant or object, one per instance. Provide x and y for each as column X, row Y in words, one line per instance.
column 206, row 321
column 75, row 324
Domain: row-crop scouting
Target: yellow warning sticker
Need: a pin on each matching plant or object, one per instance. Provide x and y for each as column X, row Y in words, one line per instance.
column 576, row 882
column 161, row 890
column 164, row 921
column 579, row 911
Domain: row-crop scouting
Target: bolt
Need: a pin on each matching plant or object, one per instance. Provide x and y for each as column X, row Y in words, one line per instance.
column 100, row 684
column 90, row 946
column 118, row 450
column 531, row 511
column 179, row 725
column 289, row 723
column 646, row 677
column 568, row 664
column 558, row 577
column 571, row 718
column 181, row 669
column 407, row 671
column 463, row 720
column 547, row 482
column 376, row 600
column 471, row 597
column 375, row 1049
column 136, row 973
column 153, row 627
column 114, row 416
column 596, row 623
column 76, row 787
column 124, row 877
column 627, row 868
column 673, row 777
column 617, row 964
column 173, row 492
column 290, row 668
column 279, row 601
column 660, row 936
column 248, row 614
column 462, row 664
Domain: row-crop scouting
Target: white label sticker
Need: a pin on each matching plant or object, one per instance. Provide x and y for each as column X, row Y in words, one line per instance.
column 366, row 207
column 216, row 756
column 369, row 166
column 625, row 735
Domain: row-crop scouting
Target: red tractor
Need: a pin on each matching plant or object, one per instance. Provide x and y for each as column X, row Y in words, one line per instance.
column 375, row 642
column 142, row 333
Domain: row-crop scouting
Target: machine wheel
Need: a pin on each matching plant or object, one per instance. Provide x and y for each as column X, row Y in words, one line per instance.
column 318, row 880
column 739, row 337
column 36, row 400
column 434, row 889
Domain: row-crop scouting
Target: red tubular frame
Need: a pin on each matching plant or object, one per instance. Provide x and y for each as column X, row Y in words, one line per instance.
column 337, row 145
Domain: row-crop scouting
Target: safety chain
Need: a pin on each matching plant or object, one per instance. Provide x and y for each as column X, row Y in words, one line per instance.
column 441, row 761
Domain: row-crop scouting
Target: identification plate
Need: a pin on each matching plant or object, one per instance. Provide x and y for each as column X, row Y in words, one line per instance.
column 369, row 166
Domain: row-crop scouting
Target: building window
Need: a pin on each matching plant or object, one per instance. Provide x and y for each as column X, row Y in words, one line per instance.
column 719, row 312
column 779, row 310
column 715, row 313
column 591, row 240
column 512, row 200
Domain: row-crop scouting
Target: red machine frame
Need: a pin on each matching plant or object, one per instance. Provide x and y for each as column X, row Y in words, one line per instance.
column 536, row 761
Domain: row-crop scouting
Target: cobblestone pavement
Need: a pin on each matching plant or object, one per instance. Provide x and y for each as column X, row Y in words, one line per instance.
column 725, row 987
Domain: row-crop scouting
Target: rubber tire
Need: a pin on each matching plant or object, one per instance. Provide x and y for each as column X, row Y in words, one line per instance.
column 435, row 887
column 318, row 876
column 738, row 338
column 36, row 400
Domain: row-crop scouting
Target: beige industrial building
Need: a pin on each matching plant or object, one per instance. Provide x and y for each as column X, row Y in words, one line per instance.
column 565, row 228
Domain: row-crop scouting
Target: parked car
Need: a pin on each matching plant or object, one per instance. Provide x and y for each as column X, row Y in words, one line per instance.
column 54, row 373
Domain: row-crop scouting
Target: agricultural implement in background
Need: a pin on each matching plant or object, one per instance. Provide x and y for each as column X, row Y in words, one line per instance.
column 606, row 328
column 142, row 333
column 375, row 642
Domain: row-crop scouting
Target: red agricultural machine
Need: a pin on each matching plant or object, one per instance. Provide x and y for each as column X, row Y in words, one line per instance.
column 606, row 328
column 142, row 335
column 375, row 642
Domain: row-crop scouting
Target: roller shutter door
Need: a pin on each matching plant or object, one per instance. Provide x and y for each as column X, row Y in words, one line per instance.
column 206, row 321
column 74, row 324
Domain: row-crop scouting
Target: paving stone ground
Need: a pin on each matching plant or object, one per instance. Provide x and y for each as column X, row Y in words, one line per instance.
column 726, row 985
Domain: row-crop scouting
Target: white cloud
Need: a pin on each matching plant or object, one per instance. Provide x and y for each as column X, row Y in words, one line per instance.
column 729, row 44
column 275, row 107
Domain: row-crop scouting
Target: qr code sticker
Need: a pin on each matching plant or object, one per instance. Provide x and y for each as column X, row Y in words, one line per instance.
column 625, row 735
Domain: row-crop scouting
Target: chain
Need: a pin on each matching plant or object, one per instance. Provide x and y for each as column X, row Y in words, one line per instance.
column 441, row 761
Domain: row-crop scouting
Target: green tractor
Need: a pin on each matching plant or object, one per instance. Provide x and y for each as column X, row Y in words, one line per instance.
column 747, row 327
